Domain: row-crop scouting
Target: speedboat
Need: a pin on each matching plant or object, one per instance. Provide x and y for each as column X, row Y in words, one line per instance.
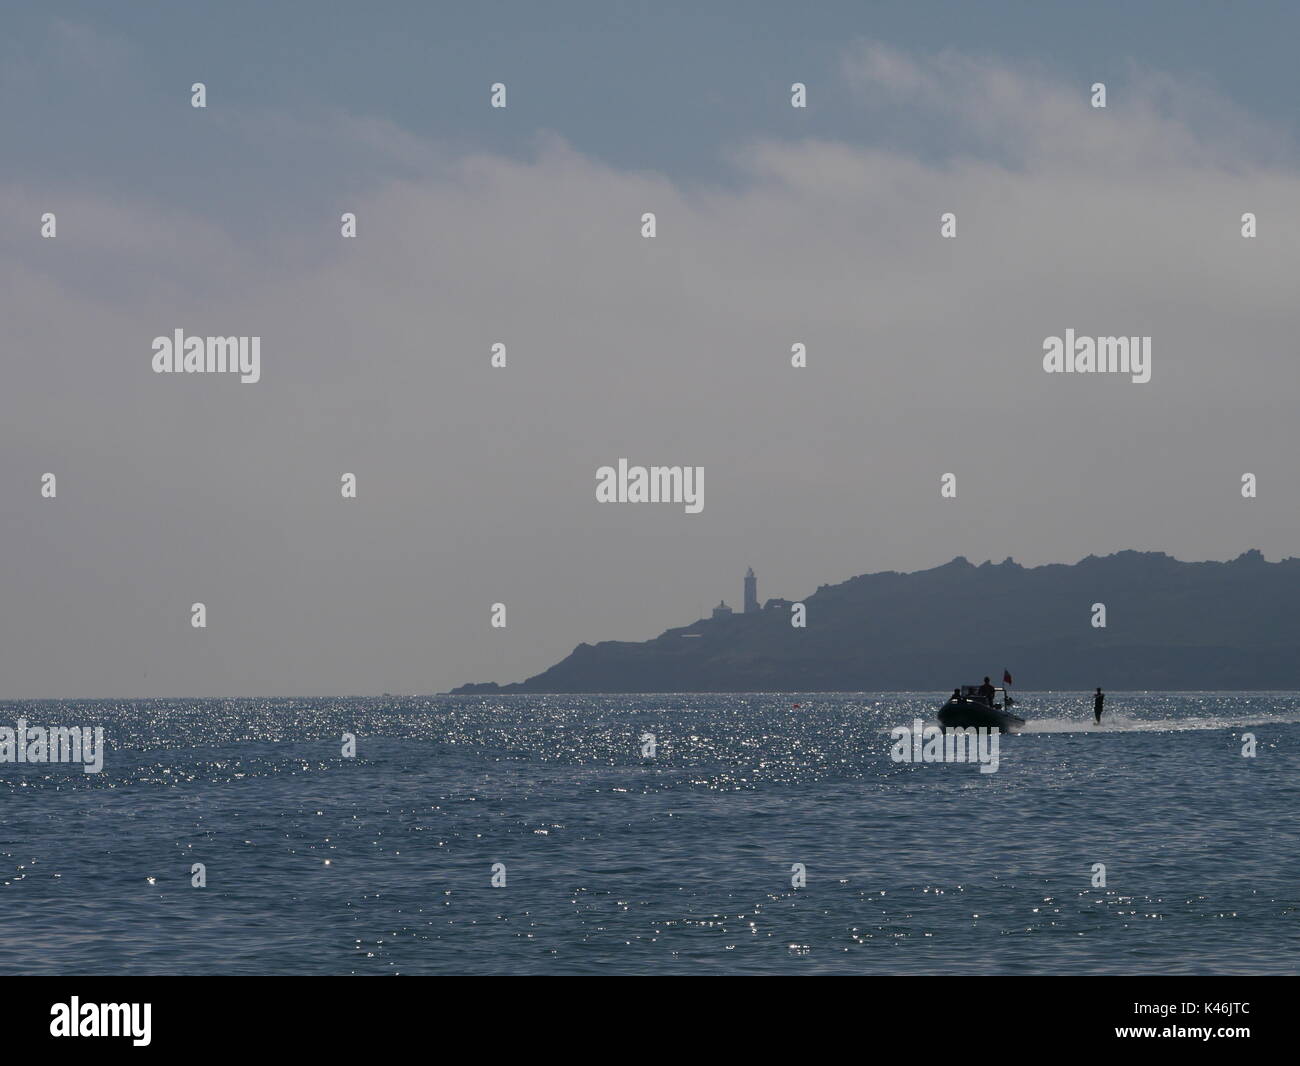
column 966, row 709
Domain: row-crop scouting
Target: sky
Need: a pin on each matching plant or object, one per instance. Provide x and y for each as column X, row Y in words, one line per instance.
column 775, row 226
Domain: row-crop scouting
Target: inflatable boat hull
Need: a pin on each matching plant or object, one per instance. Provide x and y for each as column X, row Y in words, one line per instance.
column 965, row 714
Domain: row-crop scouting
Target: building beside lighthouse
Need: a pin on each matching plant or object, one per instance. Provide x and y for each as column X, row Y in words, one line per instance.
column 751, row 604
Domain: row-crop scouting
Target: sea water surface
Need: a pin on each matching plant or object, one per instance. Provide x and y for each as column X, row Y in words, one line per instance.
column 616, row 863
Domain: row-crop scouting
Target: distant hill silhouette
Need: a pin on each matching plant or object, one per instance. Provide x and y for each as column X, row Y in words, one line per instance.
column 1170, row 625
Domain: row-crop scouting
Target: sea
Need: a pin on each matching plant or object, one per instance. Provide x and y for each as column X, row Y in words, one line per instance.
column 671, row 834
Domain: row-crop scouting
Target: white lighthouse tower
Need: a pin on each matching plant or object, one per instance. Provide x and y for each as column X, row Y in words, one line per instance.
column 751, row 591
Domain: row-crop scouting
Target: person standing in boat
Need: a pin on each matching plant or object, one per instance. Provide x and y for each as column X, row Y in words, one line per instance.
column 986, row 692
column 1097, row 702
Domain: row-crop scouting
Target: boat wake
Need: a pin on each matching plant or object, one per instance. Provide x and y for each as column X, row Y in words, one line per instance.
column 1119, row 723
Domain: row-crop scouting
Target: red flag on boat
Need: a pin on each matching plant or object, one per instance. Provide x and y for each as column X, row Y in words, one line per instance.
column 1006, row 677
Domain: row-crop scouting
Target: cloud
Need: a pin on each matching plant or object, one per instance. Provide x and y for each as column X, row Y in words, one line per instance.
column 477, row 485
column 1029, row 119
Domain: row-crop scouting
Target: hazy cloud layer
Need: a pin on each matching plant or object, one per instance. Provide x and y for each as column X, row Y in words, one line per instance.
column 477, row 485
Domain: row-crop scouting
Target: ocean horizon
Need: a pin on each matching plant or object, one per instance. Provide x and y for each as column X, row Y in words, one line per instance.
column 764, row 833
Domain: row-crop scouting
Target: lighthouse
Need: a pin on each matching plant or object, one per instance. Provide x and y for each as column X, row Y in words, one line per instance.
column 751, row 591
